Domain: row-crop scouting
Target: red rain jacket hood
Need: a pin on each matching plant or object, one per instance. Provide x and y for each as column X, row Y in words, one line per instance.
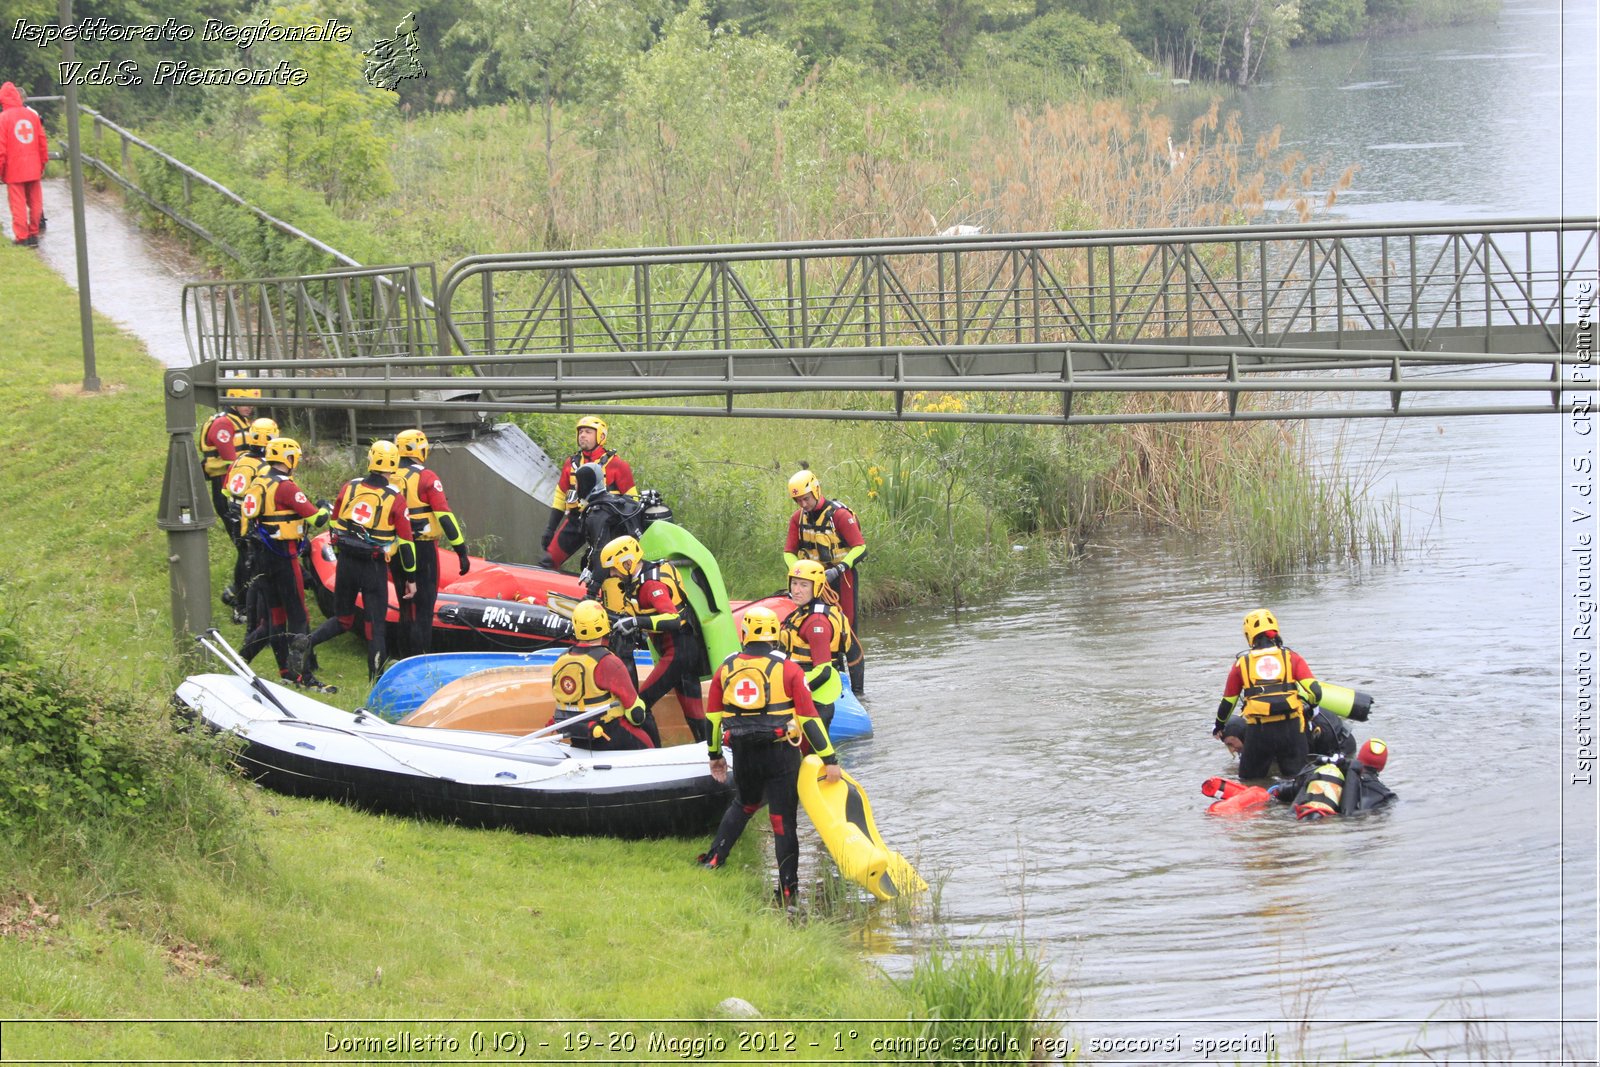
column 23, row 149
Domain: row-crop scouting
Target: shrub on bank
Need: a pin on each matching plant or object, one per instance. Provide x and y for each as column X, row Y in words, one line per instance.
column 95, row 782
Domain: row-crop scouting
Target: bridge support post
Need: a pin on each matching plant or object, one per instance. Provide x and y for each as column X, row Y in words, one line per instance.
column 187, row 515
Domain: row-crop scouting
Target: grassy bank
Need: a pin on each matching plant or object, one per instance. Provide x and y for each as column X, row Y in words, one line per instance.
column 143, row 881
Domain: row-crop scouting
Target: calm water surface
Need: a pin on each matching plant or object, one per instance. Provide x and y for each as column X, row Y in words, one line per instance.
column 1043, row 754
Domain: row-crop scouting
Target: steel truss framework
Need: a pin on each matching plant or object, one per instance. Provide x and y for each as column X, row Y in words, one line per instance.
column 1333, row 321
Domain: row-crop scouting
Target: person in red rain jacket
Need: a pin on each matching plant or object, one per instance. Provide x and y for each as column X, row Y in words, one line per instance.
column 23, row 155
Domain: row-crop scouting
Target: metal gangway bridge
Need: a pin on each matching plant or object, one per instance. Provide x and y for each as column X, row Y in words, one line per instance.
column 1246, row 323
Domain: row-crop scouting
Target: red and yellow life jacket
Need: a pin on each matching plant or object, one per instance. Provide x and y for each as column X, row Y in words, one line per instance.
column 1323, row 792
column 260, row 506
column 1270, row 692
column 367, row 517
column 211, row 460
column 795, row 643
column 575, row 688
column 818, row 539
column 755, row 702
column 424, row 523
column 245, row 469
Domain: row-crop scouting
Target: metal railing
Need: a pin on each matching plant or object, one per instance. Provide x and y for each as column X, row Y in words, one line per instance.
column 1226, row 317
column 124, row 173
column 1494, row 286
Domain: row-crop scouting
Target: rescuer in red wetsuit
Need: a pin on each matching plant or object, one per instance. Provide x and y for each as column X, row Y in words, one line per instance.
column 369, row 527
column 759, row 703
column 1267, row 684
column 590, row 678
column 564, row 534
column 431, row 520
column 826, row 531
column 816, row 634
column 24, row 153
column 655, row 604
column 274, row 515
column 219, row 447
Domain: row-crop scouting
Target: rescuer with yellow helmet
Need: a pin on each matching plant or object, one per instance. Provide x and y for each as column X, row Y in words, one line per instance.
column 592, row 687
column 431, row 521
column 219, row 447
column 816, row 634
column 250, row 453
column 276, row 517
column 1343, row 785
column 654, row 603
column 827, row 531
column 564, row 534
column 370, row 527
column 1268, row 685
column 760, row 706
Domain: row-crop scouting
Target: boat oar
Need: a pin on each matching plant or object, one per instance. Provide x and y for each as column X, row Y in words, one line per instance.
column 235, row 663
column 560, row 604
column 552, row 728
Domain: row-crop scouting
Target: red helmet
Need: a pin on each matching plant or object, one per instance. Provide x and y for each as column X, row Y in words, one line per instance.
column 1373, row 754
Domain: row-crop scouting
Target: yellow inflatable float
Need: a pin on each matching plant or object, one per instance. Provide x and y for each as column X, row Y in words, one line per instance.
column 843, row 817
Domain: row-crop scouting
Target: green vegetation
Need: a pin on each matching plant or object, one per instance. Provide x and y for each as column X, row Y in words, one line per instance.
column 712, row 136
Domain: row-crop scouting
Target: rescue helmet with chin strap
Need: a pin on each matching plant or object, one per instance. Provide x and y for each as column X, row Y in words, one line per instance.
column 623, row 555
column 1258, row 622
column 413, row 444
column 285, row 450
column 383, row 457
column 759, row 624
column 590, row 621
column 598, row 425
column 811, row 571
column 804, row 482
column 260, row 432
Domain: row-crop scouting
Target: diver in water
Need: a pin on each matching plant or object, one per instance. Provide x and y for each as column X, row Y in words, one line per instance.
column 1340, row 786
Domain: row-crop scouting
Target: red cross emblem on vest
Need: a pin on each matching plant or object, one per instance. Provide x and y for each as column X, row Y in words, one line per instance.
column 568, row 685
column 1269, row 667
column 745, row 693
column 250, row 505
column 238, row 484
column 362, row 513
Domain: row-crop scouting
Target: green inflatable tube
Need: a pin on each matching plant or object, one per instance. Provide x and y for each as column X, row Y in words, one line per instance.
column 1346, row 703
column 702, row 584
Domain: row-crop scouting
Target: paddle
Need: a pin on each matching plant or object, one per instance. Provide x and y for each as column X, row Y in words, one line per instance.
column 560, row 604
column 234, row 662
column 552, row 728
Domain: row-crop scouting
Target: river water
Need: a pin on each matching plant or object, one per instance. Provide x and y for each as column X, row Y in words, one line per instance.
column 1041, row 756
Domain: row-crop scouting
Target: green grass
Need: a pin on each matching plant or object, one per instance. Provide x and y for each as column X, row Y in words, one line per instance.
column 286, row 909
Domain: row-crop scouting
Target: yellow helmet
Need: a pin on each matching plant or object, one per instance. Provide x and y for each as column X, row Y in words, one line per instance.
column 260, row 432
column 239, row 393
column 804, row 482
column 759, row 624
column 1258, row 622
column 811, row 571
column 413, row 444
column 623, row 555
column 597, row 424
column 383, row 457
column 590, row 621
column 285, row 450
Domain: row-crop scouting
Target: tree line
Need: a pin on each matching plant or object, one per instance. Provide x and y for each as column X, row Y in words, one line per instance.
column 547, row 51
